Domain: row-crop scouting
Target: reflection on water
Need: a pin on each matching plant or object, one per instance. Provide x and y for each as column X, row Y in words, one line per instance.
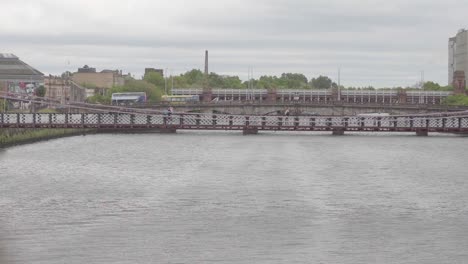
column 227, row 198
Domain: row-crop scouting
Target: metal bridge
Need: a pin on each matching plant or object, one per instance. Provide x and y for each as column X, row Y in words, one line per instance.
column 422, row 125
column 132, row 119
column 310, row 96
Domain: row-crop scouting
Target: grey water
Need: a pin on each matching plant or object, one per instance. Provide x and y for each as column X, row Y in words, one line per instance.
column 210, row 197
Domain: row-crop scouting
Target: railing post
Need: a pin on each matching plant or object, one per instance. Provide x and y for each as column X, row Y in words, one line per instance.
column 460, row 120
column 411, row 122
column 280, row 121
column 312, row 122
column 346, row 119
column 213, row 121
column 230, row 120
column 66, row 119
column 115, row 119
column 395, row 122
column 263, row 121
column 1, row 119
column 50, row 120
column 247, row 121
column 83, row 120
column 132, row 119
column 427, row 123
column 148, row 120
column 329, row 122
column 99, row 118
column 34, row 119
column 296, row 122
column 379, row 122
column 18, row 121
column 362, row 122
column 444, row 122
column 181, row 120
column 197, row 120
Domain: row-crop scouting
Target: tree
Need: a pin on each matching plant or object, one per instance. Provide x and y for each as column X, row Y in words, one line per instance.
column 194, row 77
column 293, row 80
column 456, row 100
column 322, row 82
column 41, row 91
column 156, row 79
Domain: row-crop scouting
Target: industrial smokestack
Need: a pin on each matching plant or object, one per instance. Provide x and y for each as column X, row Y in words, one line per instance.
column 206, row 62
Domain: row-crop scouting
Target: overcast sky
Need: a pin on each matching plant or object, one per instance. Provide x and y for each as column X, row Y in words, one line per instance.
column 375, row 42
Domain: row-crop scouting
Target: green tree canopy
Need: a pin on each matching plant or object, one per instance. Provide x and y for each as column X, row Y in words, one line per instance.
column 41, row 91
column 322, row 82
column 155, row 78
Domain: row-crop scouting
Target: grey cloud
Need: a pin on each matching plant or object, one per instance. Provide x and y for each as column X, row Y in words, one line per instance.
column 383, row 43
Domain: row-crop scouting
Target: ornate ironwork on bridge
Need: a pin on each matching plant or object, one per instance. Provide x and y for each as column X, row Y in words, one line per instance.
column 421, row 124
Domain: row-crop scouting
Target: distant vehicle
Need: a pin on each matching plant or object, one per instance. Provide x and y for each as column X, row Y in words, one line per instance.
column 180, row 99
column 128, row 98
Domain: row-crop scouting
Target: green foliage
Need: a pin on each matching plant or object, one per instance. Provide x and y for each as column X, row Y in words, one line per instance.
column 17, row 136
column 47, row 111
column 224, row 81
column 322, row 82
column 155, row 78
column 293, row 81
column 268, row 82
column 194, row 77
column 153, row 93
column 461, row 100
column 432, row 86
column 99, row 99
column 3, row 105
column 41, row 91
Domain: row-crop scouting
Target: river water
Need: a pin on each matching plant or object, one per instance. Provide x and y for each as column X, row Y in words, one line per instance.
column 219, row 197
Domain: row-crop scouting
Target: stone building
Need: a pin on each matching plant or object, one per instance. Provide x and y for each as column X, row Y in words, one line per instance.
column 99, row 82
column 64, row 89
column 18, row 77
column 148, row 70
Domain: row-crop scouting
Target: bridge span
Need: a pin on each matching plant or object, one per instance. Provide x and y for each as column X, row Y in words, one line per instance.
column 309, row 108
column 249, row 124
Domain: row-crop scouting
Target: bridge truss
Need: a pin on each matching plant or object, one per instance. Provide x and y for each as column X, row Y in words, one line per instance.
column 453, row 123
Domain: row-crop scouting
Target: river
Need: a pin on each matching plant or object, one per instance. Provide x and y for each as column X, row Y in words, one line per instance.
column 220, row 197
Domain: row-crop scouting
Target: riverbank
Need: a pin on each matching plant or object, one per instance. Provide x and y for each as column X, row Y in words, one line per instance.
column 14, row 136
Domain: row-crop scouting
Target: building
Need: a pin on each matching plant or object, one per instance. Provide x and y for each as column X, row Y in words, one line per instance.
column 148, row 70
column 98, row 82
column 64, row 89
column 457, row 54
column 18, row 77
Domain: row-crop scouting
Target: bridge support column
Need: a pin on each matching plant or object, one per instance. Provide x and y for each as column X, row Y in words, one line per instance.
column 422, row 133
column 338, row 132
column 250, row 131
column 168, row 130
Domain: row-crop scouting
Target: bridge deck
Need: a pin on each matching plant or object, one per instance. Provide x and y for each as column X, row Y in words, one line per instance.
column 453, row 123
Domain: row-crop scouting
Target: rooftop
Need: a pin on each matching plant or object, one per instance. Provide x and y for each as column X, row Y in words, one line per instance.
column 11, row 67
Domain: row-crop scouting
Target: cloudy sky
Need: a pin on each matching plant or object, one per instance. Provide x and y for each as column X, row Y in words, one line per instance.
column 374, row 42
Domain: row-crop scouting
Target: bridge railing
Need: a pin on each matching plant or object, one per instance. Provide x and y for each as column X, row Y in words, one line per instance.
column 455, row 123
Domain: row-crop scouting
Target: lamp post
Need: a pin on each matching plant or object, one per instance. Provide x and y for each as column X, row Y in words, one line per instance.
column 165, row 82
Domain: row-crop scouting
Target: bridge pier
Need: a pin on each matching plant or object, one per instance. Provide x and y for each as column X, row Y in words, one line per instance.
column 422, row 133
column 167, row 130
column 338, row 132
column 250, row 131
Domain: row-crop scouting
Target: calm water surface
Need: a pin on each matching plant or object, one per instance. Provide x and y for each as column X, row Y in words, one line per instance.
column 226, row 198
